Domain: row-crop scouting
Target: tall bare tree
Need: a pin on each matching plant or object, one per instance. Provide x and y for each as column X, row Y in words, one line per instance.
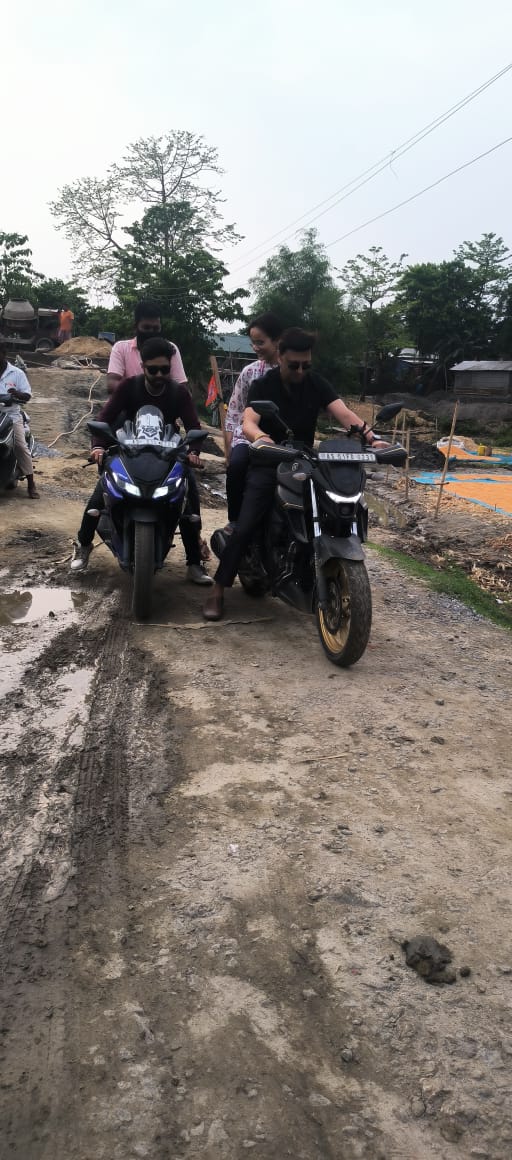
column 157, row 172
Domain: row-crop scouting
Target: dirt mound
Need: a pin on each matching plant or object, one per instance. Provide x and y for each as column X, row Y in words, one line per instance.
column 84, row 347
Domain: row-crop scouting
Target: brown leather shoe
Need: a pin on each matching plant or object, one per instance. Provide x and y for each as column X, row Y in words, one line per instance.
column 213, row 608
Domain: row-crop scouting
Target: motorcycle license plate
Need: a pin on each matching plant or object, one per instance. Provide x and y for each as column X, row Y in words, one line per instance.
column 342, row 456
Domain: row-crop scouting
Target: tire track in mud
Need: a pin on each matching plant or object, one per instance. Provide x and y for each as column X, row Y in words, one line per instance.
column 56, row 950
column 226, row 932
column 43, row 761
column 36, row 928
column 28, row 766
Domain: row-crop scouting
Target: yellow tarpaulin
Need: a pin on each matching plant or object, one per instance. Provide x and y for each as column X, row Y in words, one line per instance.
column 492, row 490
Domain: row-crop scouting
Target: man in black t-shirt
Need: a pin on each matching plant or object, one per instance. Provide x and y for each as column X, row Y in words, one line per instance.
column 153, row 388
column 300, row 394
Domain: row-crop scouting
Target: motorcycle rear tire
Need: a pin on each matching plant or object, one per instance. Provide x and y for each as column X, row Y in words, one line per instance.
column 144, row 570
column 255, row 588
column 344, row 627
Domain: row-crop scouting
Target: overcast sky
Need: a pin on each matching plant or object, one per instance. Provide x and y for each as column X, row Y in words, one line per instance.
column 299, row 96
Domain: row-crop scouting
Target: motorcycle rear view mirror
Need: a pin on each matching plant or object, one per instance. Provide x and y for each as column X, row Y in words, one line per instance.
column 97, row 428
column 388, row 412
column 268, row 410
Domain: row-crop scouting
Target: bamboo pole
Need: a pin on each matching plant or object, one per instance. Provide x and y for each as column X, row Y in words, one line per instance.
column 218, row 384
column 395, row 429
column 407, row 462
column 448, row 449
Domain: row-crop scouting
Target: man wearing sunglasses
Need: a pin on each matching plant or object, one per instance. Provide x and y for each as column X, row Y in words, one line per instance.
column 300, row 394
column 125, row 360
column 154, row 387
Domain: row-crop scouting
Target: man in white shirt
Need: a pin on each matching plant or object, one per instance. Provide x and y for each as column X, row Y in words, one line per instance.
column 13, row 381
column 125, row 361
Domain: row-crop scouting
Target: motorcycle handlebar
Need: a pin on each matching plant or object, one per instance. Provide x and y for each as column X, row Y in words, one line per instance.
column 8, row 398
column 395, row 456
column 275, row 453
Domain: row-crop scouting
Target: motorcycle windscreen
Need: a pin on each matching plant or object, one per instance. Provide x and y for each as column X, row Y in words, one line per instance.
column 149, row 426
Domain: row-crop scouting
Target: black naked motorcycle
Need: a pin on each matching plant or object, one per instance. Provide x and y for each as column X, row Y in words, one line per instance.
column 310, row 551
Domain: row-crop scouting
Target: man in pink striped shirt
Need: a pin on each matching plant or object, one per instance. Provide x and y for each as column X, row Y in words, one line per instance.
column 125, row 361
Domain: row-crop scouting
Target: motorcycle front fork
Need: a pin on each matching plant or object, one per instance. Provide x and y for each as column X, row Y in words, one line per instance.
column 321, row 583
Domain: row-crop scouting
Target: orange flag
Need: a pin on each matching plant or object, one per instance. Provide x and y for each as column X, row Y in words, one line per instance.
column 213, row 392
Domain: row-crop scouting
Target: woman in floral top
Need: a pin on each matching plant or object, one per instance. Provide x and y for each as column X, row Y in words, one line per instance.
column 264, row 333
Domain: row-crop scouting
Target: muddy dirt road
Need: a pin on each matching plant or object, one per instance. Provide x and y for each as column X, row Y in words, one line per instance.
column 213, row 844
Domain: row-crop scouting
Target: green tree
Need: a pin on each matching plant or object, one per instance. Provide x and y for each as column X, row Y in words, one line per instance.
column 298, row 285
column 190, row 290
column 52, row 293
column 370, row 283
column 157, row 172
column 504, row 333
column 490, row 261
column 117, row 319
column 17, row 275
column 444, row 310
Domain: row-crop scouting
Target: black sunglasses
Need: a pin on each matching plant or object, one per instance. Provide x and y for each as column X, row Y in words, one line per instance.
column 158, row 370
column 298, row 366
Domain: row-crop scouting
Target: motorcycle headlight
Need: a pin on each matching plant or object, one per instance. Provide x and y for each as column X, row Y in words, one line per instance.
column 348, row 500
column 161, row 492
column 344, row 504
column 125, row 485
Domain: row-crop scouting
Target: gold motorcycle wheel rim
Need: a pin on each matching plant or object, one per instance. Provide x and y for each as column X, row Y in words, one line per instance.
column 335, row 620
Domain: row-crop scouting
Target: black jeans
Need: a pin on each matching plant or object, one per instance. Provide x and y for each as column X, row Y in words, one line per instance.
column 236, row 476
column 256, row 503
column 189, row 529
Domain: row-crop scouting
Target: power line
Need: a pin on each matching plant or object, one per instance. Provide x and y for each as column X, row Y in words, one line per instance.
column 460, row 168
column 182, row 293
column 368, row 174
column 420, row 192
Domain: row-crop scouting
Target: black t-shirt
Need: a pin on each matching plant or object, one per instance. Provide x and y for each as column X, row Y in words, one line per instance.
column 175, row 402
column 299, row 403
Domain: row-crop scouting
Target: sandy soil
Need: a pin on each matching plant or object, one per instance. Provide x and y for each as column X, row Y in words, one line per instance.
column 213, row 846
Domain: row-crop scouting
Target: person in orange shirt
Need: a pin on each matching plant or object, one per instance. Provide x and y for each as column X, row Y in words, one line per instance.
column 66, row 320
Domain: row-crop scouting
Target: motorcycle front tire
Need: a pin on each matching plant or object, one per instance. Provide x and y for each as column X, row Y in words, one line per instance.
column 344, row 626
column 144, row 570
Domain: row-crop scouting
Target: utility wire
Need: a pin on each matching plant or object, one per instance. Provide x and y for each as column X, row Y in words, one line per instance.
column 363, row 179
column 164, row 291
column 420, row 192
column 379, row 166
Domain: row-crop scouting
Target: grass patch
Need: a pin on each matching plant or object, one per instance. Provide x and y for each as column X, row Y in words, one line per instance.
column 450, row 581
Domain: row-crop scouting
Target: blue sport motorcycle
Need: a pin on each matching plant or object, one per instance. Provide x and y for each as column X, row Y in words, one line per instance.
column 145, row 485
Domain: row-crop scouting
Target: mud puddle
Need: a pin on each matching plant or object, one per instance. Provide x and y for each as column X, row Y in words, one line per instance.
column 30, row 620
column 24, row 606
